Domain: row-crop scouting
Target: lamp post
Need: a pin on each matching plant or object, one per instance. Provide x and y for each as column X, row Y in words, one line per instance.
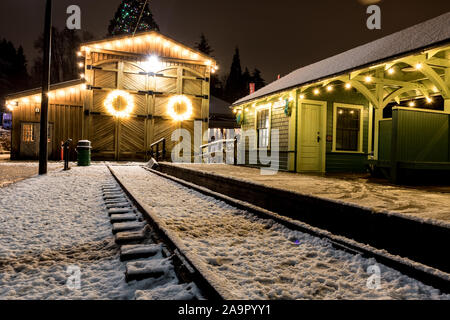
column 43, row 143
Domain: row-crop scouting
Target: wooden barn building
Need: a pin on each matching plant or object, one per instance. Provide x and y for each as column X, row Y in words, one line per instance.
column 133, row 91
column 384, row 105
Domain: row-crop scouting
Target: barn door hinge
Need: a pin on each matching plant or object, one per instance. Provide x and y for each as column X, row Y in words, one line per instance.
column 203, row 79
column 91, row 67
column 206, row 97
column 151, row 93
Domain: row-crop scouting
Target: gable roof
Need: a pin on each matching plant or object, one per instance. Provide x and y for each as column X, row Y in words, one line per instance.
column 149, row 42
column 428, row 34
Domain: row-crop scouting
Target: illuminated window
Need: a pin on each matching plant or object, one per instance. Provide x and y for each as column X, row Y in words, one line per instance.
column 262, row 127
column 27, row 133
column 348, row 128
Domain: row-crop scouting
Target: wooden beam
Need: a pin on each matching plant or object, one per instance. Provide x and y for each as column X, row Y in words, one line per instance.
column 365, row 92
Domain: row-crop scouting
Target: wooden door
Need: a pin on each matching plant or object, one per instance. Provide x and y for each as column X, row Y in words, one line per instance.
column 310, row 138
column 30, row 138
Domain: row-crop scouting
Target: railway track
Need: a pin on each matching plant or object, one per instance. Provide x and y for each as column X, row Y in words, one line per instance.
column 191, row 270
column 145, row 248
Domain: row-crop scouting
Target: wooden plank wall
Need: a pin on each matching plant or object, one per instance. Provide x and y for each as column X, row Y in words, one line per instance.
column 66, row 120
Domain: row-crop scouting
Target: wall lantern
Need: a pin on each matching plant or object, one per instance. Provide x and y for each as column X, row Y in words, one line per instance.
column 116, row 97
column 178, row 101
column 153, row 64
column 37, row 110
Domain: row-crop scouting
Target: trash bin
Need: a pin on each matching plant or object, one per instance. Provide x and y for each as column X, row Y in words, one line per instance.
column 84, row 153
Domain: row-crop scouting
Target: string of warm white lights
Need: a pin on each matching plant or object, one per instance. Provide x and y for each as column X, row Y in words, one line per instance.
column 36, row 98
column 113, row 98
column 180, row 100
column 368, row 79
column 120, row 45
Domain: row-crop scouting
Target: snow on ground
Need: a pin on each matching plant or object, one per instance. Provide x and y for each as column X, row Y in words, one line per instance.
column 423, row 203
column 260, row 259
column 50, row 223
column 11, row 172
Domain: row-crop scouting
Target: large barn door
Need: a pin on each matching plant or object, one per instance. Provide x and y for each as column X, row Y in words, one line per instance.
column 103, row 136
column 132, row 139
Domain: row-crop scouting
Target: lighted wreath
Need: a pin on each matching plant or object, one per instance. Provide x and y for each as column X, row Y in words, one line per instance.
column 113, row 98
column 179, row 101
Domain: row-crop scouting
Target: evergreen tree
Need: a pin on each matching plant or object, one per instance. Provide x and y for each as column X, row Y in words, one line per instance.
column 257, row 79
column 203, row 46
column 216, row 85
column 234, row 84
column 13, row 70
column 64, row 67
column 246, row 80
column 127, row 16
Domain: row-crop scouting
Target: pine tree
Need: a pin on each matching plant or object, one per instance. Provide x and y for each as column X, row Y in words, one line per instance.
column 216, row 85
column 234, row 84
column 127, row 16
column 203, row 46
column 257, row 79
column 64, row 67
column 246, row 80
column 13, row 70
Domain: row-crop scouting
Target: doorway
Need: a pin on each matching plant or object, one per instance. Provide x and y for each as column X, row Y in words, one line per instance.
column 311, row 136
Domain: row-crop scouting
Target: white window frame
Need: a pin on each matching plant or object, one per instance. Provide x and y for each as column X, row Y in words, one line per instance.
column 361, row 126
column 258, row 109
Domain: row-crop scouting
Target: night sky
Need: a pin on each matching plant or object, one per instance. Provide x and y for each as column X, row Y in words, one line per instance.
column 274, row 36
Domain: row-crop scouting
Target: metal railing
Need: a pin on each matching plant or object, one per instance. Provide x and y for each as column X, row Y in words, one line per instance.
column 227, row 147
column 156, row 152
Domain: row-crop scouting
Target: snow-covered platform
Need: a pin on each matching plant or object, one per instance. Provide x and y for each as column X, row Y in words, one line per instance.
column 410, row 222
column 426, row 203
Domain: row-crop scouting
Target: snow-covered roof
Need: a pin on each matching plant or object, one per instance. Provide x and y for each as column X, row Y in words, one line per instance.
column 147, row 42
column 427, row 34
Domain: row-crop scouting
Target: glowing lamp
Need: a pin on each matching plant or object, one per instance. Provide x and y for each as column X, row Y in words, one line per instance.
column 153, row 64
column 180, row 100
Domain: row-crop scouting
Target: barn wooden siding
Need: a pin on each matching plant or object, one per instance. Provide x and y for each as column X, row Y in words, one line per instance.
column 65, row 122
column 130, row 138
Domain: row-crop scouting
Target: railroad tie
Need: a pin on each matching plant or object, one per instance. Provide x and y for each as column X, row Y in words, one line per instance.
column 140, row 251
column 120, row 211
column 185, row 292
column 154, row 268
column 116, row 200
column 123, row 217
column 130, row 237
column 119, row 205
column 127, row 226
